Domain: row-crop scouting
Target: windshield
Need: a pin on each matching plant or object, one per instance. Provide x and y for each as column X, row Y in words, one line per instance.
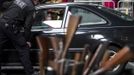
column 117, row 13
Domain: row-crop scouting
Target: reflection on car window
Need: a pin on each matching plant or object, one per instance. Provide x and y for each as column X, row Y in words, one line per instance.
column 48, row 18
column 88, row 18
column 119, row 14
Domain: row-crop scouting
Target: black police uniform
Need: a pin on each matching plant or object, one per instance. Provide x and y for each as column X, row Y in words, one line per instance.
column 1, row 1
column 18, row 15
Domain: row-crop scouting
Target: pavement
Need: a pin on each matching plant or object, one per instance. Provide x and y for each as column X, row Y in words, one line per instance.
column 129, row 70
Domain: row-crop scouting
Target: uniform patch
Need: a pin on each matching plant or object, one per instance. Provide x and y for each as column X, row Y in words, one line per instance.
column 20, row 3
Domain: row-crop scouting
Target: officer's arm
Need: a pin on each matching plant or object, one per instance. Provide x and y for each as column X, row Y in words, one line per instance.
column 27, row 26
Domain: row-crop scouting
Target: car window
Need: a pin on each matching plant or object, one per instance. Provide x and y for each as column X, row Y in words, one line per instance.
column 48, row 18
column 87, row 17
column 117, row 13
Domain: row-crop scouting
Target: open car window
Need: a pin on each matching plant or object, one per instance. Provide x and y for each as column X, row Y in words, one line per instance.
column 48, row 18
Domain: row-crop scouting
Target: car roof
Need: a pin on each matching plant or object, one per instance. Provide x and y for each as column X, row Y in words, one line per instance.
column 60, row 5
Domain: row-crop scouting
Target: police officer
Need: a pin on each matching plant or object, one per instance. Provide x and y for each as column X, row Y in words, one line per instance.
column 18, row 16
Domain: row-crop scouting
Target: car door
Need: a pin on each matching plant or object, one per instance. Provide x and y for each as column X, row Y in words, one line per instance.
column 93, row 28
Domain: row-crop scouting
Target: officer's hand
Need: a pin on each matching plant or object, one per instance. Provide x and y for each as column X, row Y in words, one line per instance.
column 29, row 44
